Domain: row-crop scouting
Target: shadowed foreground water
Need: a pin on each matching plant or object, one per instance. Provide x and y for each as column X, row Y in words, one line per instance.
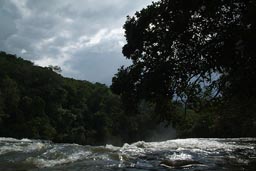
column 212, row 154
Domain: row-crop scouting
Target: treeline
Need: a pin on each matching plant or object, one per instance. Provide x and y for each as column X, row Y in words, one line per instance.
column 36, row 102
column 193, row 65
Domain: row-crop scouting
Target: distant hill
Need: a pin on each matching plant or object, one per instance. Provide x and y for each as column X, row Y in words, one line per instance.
column 36, row 102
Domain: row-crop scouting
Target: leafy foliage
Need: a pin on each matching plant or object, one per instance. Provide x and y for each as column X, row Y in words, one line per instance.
column 37, row 102
column 199, row 53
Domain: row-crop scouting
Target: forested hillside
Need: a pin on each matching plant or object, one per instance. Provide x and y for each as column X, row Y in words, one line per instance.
column 36, row 102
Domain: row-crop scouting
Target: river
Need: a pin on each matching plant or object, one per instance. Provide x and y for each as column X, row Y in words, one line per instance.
column 208, row 154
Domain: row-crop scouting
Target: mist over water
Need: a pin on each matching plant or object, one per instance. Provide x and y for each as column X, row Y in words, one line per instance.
column 162, row 133
column 213, row 154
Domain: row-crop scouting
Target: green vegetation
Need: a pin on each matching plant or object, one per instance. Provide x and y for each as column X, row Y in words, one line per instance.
column 194, row 66
column 39, row 103
column 195, row 60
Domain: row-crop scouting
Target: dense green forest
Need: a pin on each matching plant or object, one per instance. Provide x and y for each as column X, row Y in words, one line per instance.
column 36, row 102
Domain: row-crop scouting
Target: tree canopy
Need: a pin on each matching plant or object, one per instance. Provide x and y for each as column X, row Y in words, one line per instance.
column 183, row 49
column 194, row 52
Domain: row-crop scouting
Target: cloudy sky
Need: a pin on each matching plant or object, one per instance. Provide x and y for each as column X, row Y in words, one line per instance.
column 83, row 37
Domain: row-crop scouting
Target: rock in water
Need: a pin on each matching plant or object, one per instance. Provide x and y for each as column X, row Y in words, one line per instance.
column 179, row 163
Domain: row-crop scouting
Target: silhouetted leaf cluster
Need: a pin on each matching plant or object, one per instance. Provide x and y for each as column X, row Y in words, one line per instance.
column 198, row 53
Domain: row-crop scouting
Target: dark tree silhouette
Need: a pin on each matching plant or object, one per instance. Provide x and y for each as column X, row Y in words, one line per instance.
column 200, row 54
column 184, row 50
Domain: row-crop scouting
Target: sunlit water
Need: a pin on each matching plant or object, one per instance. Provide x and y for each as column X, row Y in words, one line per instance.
column 213, row 154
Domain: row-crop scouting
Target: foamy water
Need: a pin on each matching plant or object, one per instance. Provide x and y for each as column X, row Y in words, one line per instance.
column 213, row 154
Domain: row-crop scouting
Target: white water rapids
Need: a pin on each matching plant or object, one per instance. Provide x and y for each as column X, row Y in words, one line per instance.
column 213, row 154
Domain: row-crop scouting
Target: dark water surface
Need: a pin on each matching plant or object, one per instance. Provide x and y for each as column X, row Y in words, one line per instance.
column 213, row 155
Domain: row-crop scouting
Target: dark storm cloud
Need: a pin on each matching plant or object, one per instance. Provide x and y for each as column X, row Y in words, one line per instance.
column 83, row 37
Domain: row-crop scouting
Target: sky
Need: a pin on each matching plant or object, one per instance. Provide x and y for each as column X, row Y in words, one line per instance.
column 83, row 37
